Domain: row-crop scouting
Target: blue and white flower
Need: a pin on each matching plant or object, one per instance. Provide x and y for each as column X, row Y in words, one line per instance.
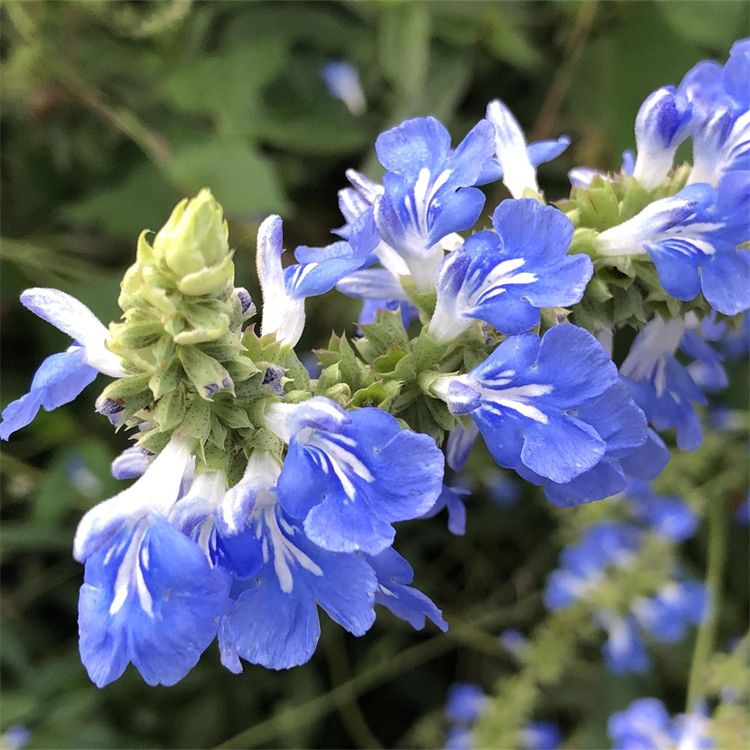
column 525, row 399
column 670, row 517
column 505, row 277
column 661, row 386
column 693, row 239
column 647, row 725
column 63, row 376
column 515, row 161
column 452, row 500
column 666, row 118
column 583, row 565
column 285, row 290
column 149, row 596
column 428, row 190
column 350, row 475
column 272, row 619
column 342, row 81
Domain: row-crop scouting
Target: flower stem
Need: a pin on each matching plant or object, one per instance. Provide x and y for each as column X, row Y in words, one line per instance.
column 704, row 644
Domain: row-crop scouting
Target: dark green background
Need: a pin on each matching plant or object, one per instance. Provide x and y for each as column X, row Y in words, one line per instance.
column 113, row 111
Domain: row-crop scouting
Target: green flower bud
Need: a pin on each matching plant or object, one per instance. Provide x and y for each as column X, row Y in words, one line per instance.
column 194, row 245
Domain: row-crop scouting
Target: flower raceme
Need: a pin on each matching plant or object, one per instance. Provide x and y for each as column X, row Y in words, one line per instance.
column 263, row 495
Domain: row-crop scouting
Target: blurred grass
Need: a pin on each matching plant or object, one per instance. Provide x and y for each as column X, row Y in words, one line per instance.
column 111, row 112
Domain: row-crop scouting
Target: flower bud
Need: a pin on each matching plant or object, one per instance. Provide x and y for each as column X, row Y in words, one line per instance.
column 194, row 244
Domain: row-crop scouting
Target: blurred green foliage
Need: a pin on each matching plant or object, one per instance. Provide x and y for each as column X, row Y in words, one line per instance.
column 113, row 111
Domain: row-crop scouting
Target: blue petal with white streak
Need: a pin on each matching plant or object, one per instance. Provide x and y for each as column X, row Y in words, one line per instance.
column 524, row 398
column 505, row 278
column 273, row 620
column 350, row 476
column 149, row 598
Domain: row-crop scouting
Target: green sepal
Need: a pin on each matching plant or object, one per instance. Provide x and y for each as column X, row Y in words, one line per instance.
column 419, row 418
column 598, row 205
column 441, row 415
column 223, row 349
column 215, row 458
column 264, row 439
column 197, row 422
column 427, row 352
column 353, row 371
column 425, row 302
column 218, row 434
column 386, row 331
column 299, row 377
column 379, row 393
column 204, row 323
column 328, row 377
column 166, row 378
column 135, row 335
column 124, row 388
column 208, row 281
column 170, row 409
column 206, row 374
column 233, row 416
column 296, row 397
column 340, row 393
column 241, row 368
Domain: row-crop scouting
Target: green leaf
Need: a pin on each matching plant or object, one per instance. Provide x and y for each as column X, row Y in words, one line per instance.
column 142, row 199
column 242, row 180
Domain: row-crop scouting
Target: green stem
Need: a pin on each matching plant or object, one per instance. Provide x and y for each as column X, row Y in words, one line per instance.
column 704, row 644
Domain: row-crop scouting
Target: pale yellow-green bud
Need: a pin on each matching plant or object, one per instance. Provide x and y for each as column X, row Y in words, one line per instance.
column 194, row 245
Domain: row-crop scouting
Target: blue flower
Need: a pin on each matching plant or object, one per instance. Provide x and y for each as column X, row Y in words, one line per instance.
column 394, row 574
column 342, row 80
column 666, row 616
column 284, row 290
column 515, row 161
column 505, row 277
column 660, row 385
column 466, row 703
column 150, row 596
column 273, row 617
column 371, row 307
column 541, row 735
column 647, row 725
column 350, row 476
column 624, row 650
column 670, row 517
column 525, row 398
column 693, row 240
column 428, row 190
column 722, row 141
column 61, row 377
column 460, row 442
column 663, row 122
column 582, row 565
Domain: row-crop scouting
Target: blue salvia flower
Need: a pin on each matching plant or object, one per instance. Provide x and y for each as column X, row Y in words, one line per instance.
column 527, row 399
column 460, row 443
column 515, row 161
column 662, row 386
column 504, row 277
column 272, row 618
column 63, row 376
column 624, row 651
column 670, row 517
column 666, row 118
column 285, row 289
column 371, row 307
column 583, row 565
column 149, row 596
column 428, row 190
column 693, row 239
column 722, row 142
column 647, row 725
column 15, row 737
column 350, row 475
column 342, row 81
column 465, row 705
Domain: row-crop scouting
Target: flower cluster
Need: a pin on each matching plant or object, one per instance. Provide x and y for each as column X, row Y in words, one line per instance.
column 466, row 703
column 263, row 494
column 602, row 571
